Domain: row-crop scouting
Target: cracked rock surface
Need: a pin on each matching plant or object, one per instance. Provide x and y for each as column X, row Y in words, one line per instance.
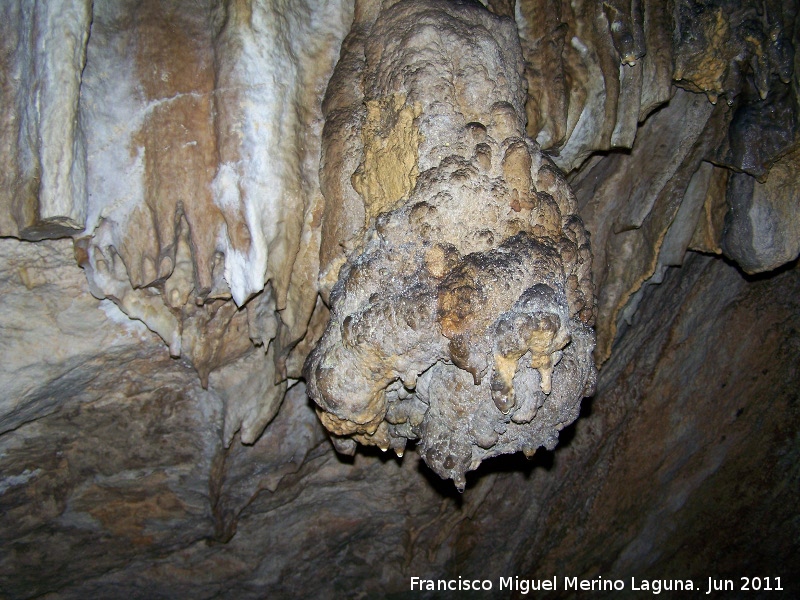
column 462, row 317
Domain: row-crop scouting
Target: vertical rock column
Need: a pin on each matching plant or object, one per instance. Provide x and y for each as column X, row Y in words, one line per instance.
column 43, row 179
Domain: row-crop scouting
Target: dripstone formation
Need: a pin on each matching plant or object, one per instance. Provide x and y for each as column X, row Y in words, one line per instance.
column 463, row 311
column 198, row 195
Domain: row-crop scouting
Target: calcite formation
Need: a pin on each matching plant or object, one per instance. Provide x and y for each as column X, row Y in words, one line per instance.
column 173, row 149
column 202, row 124
column 706, row 181
column 595, row 70
column 721, row 43
column 463, row 311
column 42, row 147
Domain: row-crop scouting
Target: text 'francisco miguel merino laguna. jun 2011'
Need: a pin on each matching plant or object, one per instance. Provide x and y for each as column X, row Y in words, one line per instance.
column 599, row 584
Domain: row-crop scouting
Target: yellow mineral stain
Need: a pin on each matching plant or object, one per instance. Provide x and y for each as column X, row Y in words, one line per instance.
column 391, row 140
column 706, row 71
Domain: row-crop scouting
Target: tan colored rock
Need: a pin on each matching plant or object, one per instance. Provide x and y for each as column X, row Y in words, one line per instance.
column 204, row 131
column 708, row 234
column 463, row 315
column 594, row 71
column 52, row 329
column 42, row 147
column 630, row 201
column 111, row 447
column 543, row 36
column 391, row 140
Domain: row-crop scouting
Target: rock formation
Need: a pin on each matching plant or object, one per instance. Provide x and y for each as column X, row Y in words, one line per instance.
column 199, row 198
column 187, row 172
column 463, row 314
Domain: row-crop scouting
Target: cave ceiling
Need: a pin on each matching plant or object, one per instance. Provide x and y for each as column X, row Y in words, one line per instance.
column 274, row 273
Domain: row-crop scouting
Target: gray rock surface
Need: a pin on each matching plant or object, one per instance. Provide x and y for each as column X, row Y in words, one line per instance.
column 762, row 228
column 128, row 489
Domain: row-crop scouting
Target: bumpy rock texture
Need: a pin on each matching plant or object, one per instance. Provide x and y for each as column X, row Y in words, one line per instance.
column 463, row 315
column 179, row 144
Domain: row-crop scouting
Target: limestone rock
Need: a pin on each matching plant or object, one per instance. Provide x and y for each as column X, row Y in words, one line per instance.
column 45, row 297
column 134, row 489
column 729, row 405
column 731, row 49
column 594, row 71
column 105, row 438
column 125, row 472
column 762, row 229
column 630, row 201
column 762, row 130
column 712, row 185
column 42, row 147
column 719, row 43
column 203, row 124
column 463, row 315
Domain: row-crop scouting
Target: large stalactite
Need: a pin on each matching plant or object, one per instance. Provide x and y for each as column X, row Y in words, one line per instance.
column 463, row 314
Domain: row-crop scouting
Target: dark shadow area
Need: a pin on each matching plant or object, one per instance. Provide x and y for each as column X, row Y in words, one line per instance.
column 366, row 451
column 508, row 463
column 505, row 463
column 444, row 487
column 375, row 452
column 766, row 275
column 754, row 277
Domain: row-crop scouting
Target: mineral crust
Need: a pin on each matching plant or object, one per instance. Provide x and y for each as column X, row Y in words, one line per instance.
column 463, row 311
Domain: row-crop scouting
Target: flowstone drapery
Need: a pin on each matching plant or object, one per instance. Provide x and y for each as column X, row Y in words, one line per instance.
column 463, row 311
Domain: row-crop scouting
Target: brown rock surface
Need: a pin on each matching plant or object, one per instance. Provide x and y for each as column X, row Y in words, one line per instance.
column 180, row 143
column 683, row 464
column 43, row 180
column 203, row 125
column 594, row 71
column 692, row 439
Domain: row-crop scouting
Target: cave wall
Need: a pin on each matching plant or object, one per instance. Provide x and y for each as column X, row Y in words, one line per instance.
column 164, row 245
